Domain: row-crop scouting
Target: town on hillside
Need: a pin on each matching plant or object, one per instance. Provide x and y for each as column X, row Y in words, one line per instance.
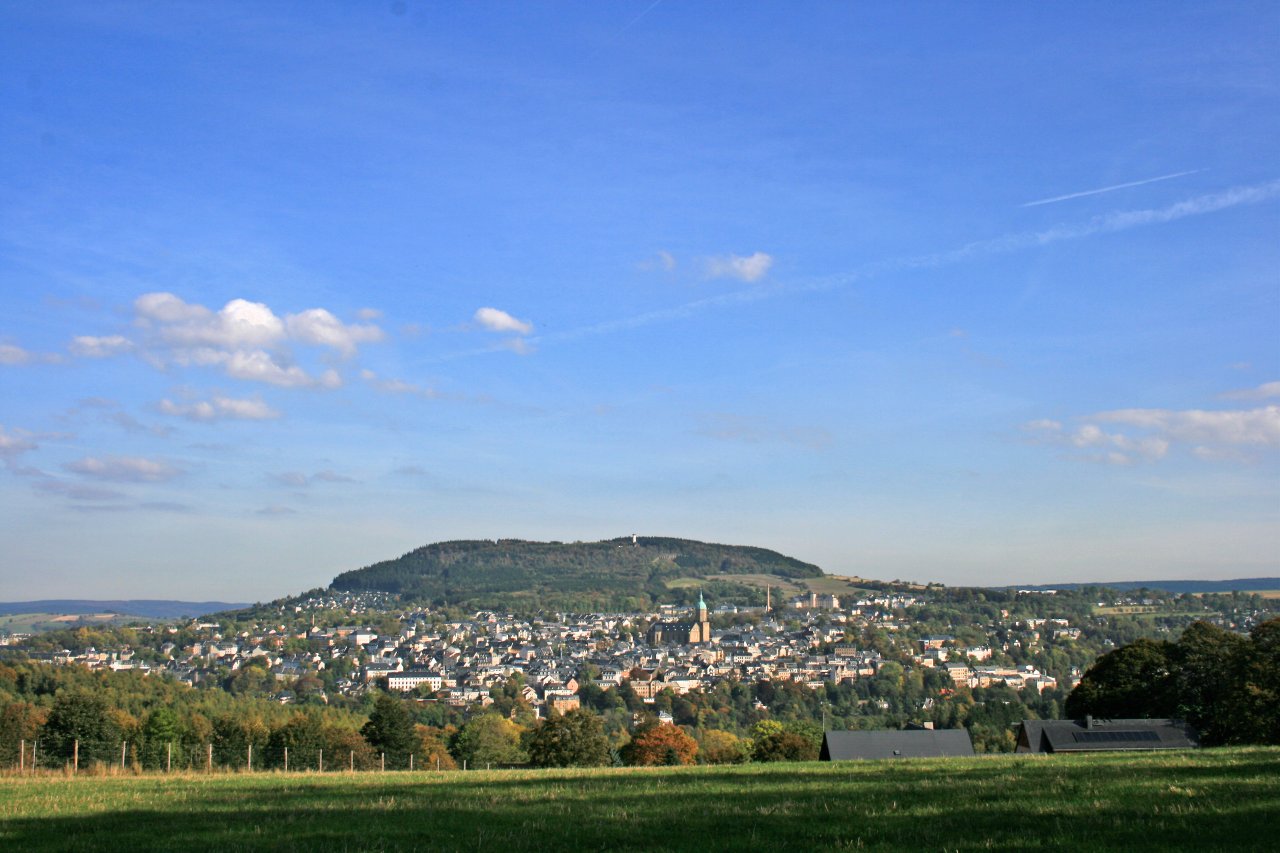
column 883, row 659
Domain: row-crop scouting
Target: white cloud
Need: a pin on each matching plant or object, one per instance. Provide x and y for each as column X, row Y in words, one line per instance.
column 662, row 260
column 167, row 308
column 10, row 354
column 220, row 408
column 1117, row 448
column 398, row 386
column 1149, row 434
column 1264, row 391
column 520, row 346
column 88, row 346
column 239, row 324
column 260, row 366
column 14, row 444
column 1256, row 427
column 751, row 268
column 495, row 320
column 318, row 326
column 368, row 314
column 247, row 340
column 124, row 469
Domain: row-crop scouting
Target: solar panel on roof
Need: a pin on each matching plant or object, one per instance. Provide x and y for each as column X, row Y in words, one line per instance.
column 1115, row 736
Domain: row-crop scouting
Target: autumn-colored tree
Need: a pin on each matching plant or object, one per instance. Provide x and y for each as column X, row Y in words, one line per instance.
column 784, row 746
column 720, row 747
column 19, row 721
column 431, row 750
column 488, row 739
column 658, row 745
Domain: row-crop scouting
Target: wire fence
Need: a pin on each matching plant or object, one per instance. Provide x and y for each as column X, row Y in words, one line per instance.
column 123, row 757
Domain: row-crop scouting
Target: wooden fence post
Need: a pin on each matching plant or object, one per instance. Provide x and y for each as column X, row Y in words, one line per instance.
column 321, row 760
column 286, row 759
column 124, row 746
column 250, row 764
column 75, row 757
column 209, row 759
column 168, row 759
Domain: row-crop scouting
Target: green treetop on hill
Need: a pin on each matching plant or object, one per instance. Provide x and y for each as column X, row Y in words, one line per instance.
column 615, row 574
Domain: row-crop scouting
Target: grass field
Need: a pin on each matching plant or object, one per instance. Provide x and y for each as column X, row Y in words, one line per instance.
column 36, row 622
column 1200, row 800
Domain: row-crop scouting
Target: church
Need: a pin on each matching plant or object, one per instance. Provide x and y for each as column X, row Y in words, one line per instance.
column 682, row 633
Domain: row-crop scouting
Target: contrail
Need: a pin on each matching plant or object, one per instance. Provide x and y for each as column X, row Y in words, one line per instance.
column 631, row 23
column 637, row 18
column 1109, row 189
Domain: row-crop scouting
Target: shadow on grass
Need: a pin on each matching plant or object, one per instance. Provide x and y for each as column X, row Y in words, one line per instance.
column 1007, row 804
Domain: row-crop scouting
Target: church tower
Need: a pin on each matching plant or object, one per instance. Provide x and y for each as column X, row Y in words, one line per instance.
column 703, row 625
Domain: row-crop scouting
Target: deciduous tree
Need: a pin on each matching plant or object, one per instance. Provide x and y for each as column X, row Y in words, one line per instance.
column 660, row 744
column 575, row 739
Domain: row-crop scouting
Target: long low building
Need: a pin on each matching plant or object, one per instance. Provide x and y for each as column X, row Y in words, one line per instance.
column 1099, row 735
column 879, row 745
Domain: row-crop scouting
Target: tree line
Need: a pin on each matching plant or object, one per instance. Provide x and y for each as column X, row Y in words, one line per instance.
column 1225, row 684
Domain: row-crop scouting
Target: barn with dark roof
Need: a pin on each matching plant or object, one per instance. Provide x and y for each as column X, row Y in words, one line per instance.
column 1099, row 735
column 922, row 743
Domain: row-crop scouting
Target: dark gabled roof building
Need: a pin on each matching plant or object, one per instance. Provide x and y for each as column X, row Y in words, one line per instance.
column 1099, row 735
column 924, row 743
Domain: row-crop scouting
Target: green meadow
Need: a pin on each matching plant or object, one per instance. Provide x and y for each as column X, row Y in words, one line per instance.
column 1222, row 799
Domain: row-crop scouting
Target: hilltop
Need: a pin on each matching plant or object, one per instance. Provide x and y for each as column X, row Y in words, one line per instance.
column 614, row 574
column 1193, row 587
column 145, row 608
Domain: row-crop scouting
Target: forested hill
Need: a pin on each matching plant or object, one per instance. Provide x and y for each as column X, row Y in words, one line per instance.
column 615, row 574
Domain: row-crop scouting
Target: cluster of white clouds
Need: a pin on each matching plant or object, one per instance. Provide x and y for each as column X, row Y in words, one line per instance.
column 1128, row 436
column 246, row 340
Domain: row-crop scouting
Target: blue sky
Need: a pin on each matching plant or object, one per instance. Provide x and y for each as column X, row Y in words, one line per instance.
column 925, row 291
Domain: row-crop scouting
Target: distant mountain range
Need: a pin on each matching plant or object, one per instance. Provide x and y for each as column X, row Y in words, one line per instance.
column 1237, row 585
column 144, row 607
